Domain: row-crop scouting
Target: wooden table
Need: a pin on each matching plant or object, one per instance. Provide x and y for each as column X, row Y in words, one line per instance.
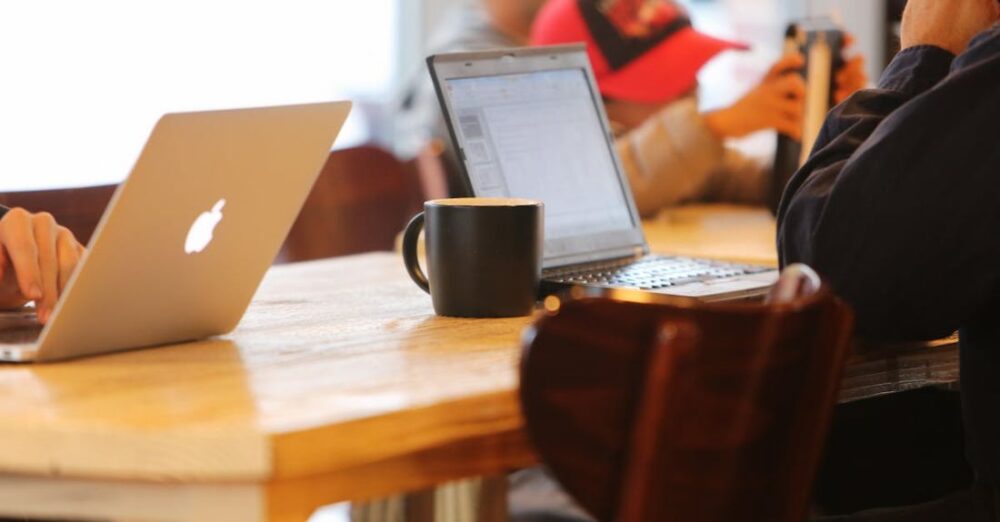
column 340, row 383
column 730, row 232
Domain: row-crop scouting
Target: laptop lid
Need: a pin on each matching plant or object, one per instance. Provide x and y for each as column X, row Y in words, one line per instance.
column 187, row 238
column 530, row 123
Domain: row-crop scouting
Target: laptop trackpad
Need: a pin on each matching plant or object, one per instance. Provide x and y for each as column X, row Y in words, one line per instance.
column 711, row 287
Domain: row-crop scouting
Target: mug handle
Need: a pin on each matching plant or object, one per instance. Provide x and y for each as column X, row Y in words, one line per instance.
column 412, row 232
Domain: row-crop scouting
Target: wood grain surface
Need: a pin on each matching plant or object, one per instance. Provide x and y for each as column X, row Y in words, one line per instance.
column 336, row 364
column 730, row 232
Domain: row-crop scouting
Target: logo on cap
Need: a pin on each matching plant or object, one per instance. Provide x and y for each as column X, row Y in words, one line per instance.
column 638, row 18
column 627, row 29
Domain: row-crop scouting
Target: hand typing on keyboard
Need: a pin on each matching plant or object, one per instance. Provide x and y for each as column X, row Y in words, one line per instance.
column 37, row 258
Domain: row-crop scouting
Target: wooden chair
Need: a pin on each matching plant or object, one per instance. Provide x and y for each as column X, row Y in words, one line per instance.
column 681, row 411
column 78, row 209
column 361, row 201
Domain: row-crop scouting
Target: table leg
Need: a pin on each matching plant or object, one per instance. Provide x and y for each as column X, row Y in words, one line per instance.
column 420, row 506
column 481, row 500
column 493, row 499
column 391, row 509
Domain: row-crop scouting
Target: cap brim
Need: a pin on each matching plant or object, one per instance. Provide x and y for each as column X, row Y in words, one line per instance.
column 666, row 71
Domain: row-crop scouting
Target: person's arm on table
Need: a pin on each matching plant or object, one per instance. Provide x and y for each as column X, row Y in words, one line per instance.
column 670, row 157
column 889, row 208
column 37, row 258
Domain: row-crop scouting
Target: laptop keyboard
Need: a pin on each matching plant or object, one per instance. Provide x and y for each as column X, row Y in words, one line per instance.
column 650, row 272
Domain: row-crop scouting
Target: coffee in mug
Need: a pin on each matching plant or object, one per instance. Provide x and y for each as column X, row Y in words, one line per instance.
column 484, row 255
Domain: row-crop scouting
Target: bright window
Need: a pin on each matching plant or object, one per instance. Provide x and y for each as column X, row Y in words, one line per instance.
column 82, row 83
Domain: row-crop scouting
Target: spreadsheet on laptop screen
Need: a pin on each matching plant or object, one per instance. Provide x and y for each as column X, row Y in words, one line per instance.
column 538, row 135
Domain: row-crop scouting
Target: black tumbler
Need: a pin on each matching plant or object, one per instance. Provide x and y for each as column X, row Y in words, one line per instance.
column 484, row 255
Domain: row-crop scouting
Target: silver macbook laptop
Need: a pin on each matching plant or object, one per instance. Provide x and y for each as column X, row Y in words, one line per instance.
column 529, row 123
column 189, row 235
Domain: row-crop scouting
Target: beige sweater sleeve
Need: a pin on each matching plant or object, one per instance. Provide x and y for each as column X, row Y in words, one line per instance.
column 740, row 179
column 674, row 158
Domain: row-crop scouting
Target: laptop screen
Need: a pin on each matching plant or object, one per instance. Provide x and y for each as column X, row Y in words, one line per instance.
column 537, row 135
column 540, row 134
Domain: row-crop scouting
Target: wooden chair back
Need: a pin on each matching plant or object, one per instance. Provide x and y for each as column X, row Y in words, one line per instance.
column 360, row 202
column 78, row 209
column 681, row 411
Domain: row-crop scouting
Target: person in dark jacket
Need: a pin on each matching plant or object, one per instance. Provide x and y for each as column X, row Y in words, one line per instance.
column 899, row 205
column 37, row 258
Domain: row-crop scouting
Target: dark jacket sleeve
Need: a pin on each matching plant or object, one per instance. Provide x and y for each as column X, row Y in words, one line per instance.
column 899, row 204
column 3, row 210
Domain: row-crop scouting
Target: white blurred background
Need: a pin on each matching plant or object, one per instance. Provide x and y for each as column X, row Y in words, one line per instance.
column 82, row 83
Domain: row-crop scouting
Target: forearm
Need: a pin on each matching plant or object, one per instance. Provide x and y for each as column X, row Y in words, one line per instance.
column 888, row 198
column 741, row 179
column 670, row 158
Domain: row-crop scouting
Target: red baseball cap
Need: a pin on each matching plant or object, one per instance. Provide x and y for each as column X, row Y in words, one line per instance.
column 641, row 50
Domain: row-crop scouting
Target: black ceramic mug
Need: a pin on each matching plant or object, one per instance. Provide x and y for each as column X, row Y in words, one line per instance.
column 484, row 255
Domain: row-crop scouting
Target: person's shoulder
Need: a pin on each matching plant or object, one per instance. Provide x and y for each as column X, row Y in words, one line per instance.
column 467, row 27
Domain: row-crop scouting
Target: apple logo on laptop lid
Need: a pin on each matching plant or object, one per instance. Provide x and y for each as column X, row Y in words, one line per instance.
column 200, row 234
